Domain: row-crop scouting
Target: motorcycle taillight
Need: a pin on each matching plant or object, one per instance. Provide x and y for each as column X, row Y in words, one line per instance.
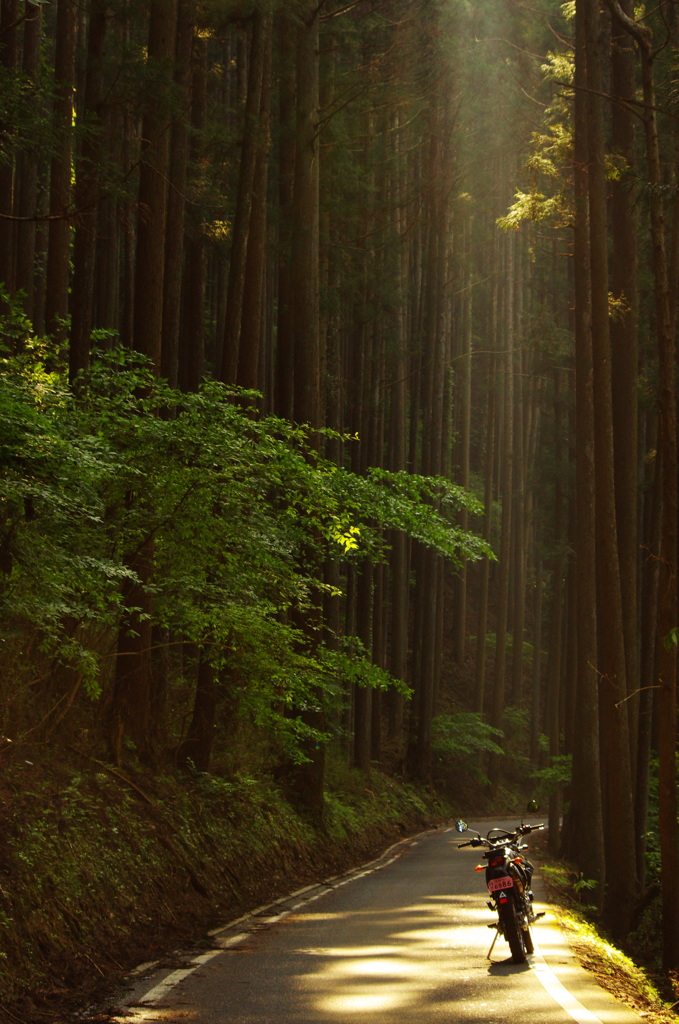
column 495, row 861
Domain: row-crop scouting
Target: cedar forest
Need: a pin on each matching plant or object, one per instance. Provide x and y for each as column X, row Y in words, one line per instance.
column 337, row 405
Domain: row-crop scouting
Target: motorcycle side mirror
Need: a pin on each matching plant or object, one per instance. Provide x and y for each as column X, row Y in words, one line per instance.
column 533, row 806
column 461, row 826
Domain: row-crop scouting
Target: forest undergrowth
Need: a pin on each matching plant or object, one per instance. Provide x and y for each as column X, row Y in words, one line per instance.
column 104, row 868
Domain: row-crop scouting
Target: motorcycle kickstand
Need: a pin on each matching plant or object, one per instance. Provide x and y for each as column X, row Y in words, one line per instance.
column 492, row 945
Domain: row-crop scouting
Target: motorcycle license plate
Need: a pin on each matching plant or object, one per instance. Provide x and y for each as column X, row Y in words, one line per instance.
column 500, row 883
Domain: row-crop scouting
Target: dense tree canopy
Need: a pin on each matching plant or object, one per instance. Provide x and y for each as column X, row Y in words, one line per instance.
column 288, row 290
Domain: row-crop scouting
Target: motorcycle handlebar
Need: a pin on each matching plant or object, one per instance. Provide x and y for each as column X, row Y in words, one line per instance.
column 522, row 830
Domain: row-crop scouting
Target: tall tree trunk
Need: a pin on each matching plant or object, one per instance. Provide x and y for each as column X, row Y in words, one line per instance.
column 304, row 280
column 536, row 684
column 192, row 329
column 554, row 674
column 506, row 494
column 519, row 530
column 362, row 693
column 617, row 778
column 9, row 22
column 397, row 448
column 60, row 201
column 176, row 195
column 195, row 750
column 285, row 347
column 625, row 351
column 583, row 829
column 428, row 591
column 153, row 175
column 305, row 268
column 250, row 345
column 250, row 147
column 481, row 631
column 26, row 199
column 87, row 195
column 463, row 371
column 648, row 621
column 667, row 446
column 555, row 671
column 133, row 711
column 109, row 285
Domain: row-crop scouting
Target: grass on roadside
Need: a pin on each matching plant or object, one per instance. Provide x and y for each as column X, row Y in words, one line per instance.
column 615, row 971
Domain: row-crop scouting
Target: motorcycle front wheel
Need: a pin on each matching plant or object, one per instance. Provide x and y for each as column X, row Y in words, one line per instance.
column 512, row 931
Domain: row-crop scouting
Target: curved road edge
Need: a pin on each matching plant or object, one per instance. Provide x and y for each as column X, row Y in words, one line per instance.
column 555, row 964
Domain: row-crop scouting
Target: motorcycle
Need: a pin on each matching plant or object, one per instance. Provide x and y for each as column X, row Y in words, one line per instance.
column 508, row 877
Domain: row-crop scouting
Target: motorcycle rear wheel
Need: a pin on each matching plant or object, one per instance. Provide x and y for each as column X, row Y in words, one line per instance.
column 524, row 923
column 512, row 932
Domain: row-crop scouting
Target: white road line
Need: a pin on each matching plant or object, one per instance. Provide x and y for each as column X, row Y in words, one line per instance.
column 559, row 992
column 276, row 918
column 233, row 940
column 155, row 994
column 206, row 957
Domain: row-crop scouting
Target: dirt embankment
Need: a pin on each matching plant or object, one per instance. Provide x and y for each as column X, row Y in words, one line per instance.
column 105, row 869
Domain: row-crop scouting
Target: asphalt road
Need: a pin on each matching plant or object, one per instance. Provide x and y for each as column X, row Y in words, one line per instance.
column 401, row 941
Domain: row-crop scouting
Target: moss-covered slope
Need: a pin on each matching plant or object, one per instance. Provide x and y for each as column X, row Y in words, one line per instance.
column 104, row 868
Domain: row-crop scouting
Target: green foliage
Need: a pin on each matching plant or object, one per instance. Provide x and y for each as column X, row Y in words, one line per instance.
column 460, row 742
column 534, row 206
column 240, row 509
column 548, row 167
column 465, row 733
column 56, row 560
column 423, row 507
column 672, row 638
column 24, row 122
column 652, row 836
column 350, row 662
column 355, row 802
column 516, row 722
column 559, row 772
column 584, row 885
